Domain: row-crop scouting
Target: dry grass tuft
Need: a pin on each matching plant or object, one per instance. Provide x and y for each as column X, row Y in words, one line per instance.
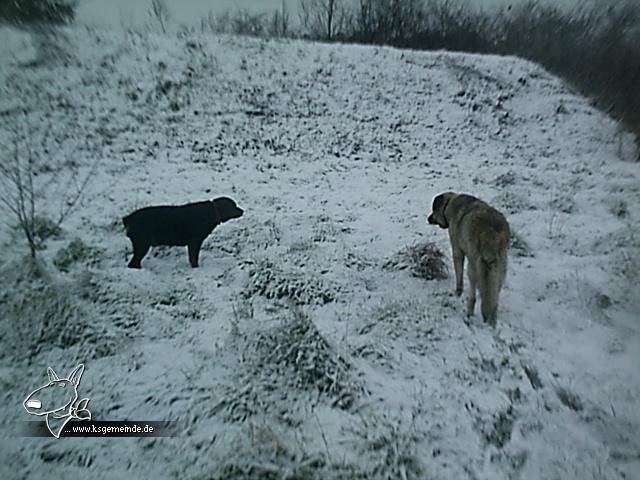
column 423, row 260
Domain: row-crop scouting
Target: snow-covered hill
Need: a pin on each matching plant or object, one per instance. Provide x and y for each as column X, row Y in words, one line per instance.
column 335, row 153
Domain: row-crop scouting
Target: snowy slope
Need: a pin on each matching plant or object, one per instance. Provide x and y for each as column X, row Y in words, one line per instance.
column 335, row 153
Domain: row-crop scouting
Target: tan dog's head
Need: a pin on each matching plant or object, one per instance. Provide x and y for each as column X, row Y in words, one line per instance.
column 438, row 216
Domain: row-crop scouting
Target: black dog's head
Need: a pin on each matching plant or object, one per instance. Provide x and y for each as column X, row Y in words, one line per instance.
column 437, row 216
column 226, row 209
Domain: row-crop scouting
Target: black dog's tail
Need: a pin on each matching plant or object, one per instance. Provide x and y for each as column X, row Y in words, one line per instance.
column 125, row 222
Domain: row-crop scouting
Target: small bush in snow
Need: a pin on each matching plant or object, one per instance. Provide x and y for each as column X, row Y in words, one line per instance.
column 534, row 377
column 391, row 443
column 603, row 301
column 40, row 316
column 41, row 228
column 290, row 357
column 423, row 260
column 630, row 267
column 506, row 179
column 412, row 322
column 263, row 451
column 569, row 399
column 272, row 282
column 563, row 203
column 513, row 202
column 45, row 228
column 619, row 208
column 497, row 429
column 76, row 251
column 519, row 246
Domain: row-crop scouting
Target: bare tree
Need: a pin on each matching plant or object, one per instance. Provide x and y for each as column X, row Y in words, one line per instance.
column 27, row 182
column 388, row 21
column 160, row 12
column 321, row 17
column 243, row 22
column 246, row 23
column 280, row 22
column 406, row 19
column 364, row 20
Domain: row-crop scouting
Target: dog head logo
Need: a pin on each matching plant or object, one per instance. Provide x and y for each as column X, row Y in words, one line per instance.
column 58, row 401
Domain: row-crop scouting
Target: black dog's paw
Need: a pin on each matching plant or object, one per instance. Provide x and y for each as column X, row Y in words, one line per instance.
column 134, row 265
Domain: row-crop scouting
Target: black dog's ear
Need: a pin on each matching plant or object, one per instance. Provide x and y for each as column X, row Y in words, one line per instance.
column 438, row 202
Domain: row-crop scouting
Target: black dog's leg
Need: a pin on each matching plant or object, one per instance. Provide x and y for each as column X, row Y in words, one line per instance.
column 140, row 249
column 194, row 251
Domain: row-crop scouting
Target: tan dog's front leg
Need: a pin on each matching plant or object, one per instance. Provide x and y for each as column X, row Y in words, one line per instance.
column 458, row 266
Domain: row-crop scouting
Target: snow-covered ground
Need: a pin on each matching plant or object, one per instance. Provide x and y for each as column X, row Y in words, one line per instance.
column 335, row 153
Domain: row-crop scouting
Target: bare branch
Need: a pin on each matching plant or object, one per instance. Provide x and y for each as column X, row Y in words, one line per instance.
column 22, row 192
column 160, row 12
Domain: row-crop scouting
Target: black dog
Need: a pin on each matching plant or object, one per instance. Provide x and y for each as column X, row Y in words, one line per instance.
column 186, row 225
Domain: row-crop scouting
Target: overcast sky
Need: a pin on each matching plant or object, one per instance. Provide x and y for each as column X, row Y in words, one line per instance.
column 135, row 12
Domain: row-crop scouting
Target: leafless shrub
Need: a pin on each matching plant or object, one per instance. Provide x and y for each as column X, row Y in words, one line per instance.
column 28, row 179
column 322, row 18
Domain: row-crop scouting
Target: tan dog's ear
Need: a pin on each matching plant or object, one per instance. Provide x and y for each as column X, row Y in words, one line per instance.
column 438, row 216
column 438, row 203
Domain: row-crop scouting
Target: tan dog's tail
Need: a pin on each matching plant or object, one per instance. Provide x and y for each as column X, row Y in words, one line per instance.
column 492, row 246
column 490, row 279
column 493, row 270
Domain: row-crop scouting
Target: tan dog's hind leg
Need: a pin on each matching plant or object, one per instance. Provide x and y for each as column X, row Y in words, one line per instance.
column 472, row 272
column 490, row 280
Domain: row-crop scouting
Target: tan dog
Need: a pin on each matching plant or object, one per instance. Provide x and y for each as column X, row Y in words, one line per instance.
column 480, row 233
